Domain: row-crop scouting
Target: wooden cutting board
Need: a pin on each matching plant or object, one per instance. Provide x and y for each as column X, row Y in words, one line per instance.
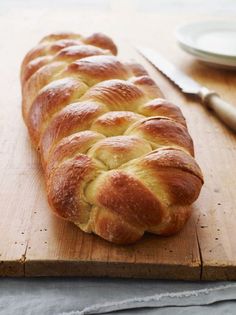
column 33, row 242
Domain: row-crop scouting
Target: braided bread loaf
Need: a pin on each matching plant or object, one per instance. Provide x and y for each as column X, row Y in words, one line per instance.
column 118, row 158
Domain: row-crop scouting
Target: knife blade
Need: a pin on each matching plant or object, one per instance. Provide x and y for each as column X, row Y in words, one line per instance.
column 226, row 112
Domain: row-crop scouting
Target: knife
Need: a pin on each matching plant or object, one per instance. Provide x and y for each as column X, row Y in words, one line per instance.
column 225, row 111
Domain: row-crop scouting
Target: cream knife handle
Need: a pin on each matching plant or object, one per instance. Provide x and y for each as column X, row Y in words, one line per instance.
column 225, row 111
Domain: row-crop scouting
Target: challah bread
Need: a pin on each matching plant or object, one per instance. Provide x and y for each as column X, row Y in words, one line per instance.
column 118, row 158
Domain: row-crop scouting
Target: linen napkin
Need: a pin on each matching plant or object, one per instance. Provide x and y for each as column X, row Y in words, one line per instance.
column 79, row 296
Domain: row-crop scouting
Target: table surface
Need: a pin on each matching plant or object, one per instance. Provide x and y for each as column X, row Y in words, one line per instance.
column 120, row 13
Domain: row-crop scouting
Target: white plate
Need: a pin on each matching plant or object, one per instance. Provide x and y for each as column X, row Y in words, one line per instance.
column 211, row 41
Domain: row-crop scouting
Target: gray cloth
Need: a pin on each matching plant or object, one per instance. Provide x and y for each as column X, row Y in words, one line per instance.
column 67, row 296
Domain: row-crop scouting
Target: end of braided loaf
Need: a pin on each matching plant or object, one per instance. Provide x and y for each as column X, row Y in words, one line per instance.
column 118, row 158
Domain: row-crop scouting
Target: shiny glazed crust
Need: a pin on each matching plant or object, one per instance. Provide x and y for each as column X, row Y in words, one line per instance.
column 118, row 158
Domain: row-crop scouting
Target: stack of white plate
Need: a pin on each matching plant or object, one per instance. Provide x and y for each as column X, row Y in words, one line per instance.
column 213, row 42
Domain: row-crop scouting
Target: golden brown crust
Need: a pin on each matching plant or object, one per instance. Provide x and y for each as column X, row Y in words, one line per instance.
column 36, row 82
column 102, row 41
column 116, row 94
column 54, row 43
column 76, row 52
column 117, row 156
column 68, row 147
column 148, row 86
column 32, row 66
column 44, row 50
column 120, row 193
column 115, row 151
column 95, row 69
column 115, row 123
column 161, row 107
column 162, row 131
column 111, row 227
column 66, row 188
column 73, row 118
column 49, row 101
column 177, row 174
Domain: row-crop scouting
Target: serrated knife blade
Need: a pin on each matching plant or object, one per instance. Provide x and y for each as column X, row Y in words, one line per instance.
column 226, row 112
column 186, row 84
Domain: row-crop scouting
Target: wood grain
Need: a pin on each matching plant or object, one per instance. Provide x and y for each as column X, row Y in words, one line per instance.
column 33, row 242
